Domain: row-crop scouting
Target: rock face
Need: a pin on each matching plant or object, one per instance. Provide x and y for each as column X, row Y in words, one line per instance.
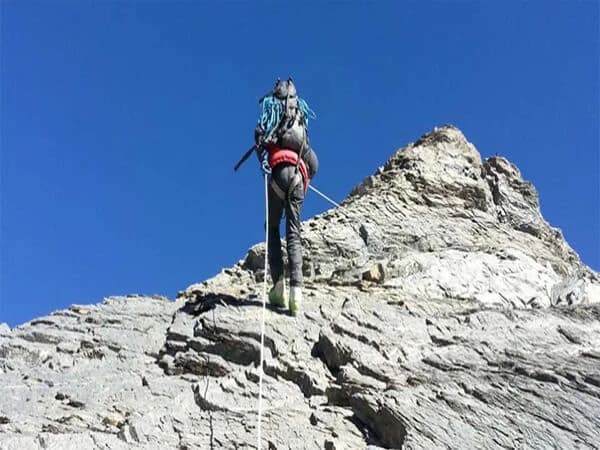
column 441, row 311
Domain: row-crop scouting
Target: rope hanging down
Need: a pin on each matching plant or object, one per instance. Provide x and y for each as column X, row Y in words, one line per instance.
column 264, row 307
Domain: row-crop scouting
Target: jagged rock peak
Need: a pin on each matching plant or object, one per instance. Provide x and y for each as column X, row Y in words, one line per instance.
column 444, row 149
column 443, row 163
column 442, row 173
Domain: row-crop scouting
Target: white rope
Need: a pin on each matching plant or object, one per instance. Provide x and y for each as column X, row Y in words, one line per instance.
column 314, row 189
column 264, row 307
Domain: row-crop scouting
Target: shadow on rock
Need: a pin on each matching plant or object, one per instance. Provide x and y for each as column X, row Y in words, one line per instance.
column 203, row 303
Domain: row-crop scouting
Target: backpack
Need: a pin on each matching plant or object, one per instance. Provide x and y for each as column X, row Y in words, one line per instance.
column 283, row 121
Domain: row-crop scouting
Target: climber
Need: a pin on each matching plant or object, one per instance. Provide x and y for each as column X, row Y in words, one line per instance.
column 285, row 155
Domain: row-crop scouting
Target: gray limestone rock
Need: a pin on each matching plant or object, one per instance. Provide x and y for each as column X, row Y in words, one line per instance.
column 440, row 311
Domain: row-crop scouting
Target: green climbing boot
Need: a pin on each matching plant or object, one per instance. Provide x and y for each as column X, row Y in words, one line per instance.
column 277, row 295
column 295, row 299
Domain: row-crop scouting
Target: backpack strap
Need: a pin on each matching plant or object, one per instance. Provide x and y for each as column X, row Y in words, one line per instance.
column 303, row 146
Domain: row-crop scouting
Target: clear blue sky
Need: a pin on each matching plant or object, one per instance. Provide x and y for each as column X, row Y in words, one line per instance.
column 121, row 121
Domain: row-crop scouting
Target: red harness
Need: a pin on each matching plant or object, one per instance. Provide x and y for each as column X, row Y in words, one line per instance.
column 281, row 155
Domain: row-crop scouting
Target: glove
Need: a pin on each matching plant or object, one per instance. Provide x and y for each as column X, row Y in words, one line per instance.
column 265, row 167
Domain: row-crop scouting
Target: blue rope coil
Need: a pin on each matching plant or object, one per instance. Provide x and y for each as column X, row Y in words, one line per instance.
column 271, row 110
column 270, row 114
column 308, row 113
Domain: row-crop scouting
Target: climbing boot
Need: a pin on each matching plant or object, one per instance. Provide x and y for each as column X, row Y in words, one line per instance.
column 277, row 295
column 295, row 299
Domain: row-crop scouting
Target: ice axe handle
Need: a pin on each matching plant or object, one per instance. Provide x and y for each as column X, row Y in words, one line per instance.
column 244, row 158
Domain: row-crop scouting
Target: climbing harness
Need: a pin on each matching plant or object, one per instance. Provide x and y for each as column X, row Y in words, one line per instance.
column 264, row 307
column 277, row 156
column 283, row 196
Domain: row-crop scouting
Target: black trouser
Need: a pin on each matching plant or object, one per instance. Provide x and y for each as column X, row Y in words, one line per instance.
column 291, row 187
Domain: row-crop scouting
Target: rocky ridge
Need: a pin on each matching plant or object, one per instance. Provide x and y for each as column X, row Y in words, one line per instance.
column 441, row 311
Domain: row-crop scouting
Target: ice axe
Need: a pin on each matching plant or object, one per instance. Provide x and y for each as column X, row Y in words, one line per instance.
column 244, row 158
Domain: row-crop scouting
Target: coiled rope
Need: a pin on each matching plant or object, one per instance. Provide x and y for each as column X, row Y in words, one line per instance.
column 308, row 113
column 271, row 111
column 270, row 114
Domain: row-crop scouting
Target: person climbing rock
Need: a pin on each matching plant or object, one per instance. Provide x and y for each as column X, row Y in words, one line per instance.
column 285, row 154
